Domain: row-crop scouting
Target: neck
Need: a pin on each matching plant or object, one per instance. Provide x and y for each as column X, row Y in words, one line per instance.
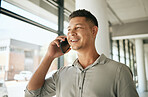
column 88, row 57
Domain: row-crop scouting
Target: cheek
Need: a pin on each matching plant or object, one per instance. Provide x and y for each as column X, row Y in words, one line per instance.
column 88, row 38
column 85, row 38
column 86, row 35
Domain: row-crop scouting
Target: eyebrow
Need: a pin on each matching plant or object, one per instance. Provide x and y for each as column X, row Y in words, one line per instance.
column 76, row 24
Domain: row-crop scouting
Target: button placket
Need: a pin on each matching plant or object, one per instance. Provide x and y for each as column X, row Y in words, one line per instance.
column 82, row 78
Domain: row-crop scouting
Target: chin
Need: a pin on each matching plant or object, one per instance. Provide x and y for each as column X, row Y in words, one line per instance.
column 76, row 48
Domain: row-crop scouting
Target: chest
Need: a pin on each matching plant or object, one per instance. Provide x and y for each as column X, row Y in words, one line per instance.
column 94, row 82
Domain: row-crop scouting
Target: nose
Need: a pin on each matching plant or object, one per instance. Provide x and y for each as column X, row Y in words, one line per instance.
column 72, row 33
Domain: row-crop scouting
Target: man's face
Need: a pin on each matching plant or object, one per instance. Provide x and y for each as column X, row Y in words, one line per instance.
column 79, row 33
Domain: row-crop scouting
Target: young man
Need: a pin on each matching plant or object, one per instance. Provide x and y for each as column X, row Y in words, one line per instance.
column 91, row 74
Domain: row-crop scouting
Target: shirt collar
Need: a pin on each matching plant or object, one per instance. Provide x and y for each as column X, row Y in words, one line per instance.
column 101, row 60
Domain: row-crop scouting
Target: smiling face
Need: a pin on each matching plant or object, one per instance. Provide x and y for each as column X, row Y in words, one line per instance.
column 80, row 34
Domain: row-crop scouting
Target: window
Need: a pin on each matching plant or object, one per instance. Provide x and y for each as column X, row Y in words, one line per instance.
column 22, row 34
column 3, row 48
column 125, row 55
column 24, row 44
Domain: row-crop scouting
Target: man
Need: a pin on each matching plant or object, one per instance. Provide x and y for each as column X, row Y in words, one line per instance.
column 91, row 75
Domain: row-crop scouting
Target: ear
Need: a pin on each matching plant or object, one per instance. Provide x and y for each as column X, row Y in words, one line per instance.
column 94, row 30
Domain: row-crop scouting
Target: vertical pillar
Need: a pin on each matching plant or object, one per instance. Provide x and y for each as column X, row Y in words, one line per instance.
column 111, row 41
column 118, row 46
column 140, row 65
column 129, row 54
column 60, row 27
column 99, row 9
column 146, row 66
column 133, row 63
column 124, row 51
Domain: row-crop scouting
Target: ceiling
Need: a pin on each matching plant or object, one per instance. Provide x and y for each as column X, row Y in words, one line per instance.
column 121, row 11
column 127, row 11
column 127, row 14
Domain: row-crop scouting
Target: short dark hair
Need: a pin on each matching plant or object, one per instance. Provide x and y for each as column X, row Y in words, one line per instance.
column 84, row 13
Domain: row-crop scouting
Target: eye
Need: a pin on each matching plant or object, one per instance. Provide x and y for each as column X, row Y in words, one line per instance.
column 69, row 30
column 78, row 28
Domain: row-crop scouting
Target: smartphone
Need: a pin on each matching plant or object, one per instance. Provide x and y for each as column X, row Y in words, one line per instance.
column 64, row 46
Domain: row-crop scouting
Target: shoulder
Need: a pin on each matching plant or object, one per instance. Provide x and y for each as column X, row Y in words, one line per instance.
column 113, row 64
column 109, row 62
column 120, row 67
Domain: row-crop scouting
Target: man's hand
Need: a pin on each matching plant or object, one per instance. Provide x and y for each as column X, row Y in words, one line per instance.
column 54, row 50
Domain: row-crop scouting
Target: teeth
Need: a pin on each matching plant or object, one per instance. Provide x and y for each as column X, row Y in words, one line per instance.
column 74, row 40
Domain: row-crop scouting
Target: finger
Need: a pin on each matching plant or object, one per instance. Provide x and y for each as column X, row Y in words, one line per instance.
column 57, row 42
column 61, row 38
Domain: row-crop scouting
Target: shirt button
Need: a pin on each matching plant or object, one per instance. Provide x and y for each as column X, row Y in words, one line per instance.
column 80, row 88
column 83, row 71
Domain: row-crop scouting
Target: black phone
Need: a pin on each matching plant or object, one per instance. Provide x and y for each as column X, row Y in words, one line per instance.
column 64, row 46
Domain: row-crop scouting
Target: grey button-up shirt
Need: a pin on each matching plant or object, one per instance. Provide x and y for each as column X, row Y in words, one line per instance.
column 103, row 78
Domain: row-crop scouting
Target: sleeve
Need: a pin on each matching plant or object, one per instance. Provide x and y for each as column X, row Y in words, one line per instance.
column 125, row 83
column 48, row 89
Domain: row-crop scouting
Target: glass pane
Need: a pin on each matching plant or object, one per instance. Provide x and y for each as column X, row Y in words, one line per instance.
column 115, row 57
column 22, row 46
column 15, row 29
column 65, row 27
column 121, row 48
column 127, row 62
column 122, row 60
column 115, row 50
column 114, row 43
